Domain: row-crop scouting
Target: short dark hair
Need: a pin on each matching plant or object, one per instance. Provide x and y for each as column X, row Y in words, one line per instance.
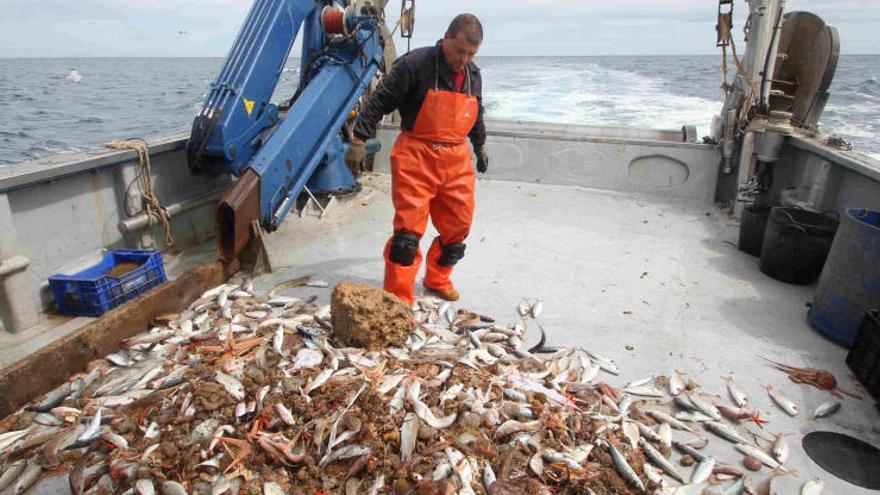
column 467, row 24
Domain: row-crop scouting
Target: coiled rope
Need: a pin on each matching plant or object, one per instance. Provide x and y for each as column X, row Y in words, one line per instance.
column 151, row 205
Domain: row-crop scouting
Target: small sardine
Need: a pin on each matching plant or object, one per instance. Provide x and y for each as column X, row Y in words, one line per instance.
column 232, row 386
column 624, row 469
column 640, row 381
column 665, row 418
column 665, row 433
column 786, row 404
column 170, row 487
column 703, row 470
column 644, row 391
column 684, row 448
column 145, row 487
column 660, row 461
column 117, row 441
column 676, row 384
column 826, row 409
column 813, row 487
column 342, row 453
column 705, row 407
column 93, row 431
column 780, row 449
column 725, row 432
column 606, row 364
column 52, row 399
column 28, row 477
column 13, row 470
column 759, row 454
column 737, row 394
column 409, row 435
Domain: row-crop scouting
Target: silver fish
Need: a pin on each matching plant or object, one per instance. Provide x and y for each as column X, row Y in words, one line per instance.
column 705, row 406
column 665, row 418
column 780, row 449
column 28, row 477
column 512, row 426
column 759, row 454
column 117, row 441
column 92, row 432
column 232, row 386
column 170, row 487
column 52, row 399
column 703, row 470
column 737, row 394
column 725, row 432
column 145, row 487
column 488, row 476
column 640, row 381
column 409, row 434
column 11, row 437
column 424, row 412
column 631, row 432
column 676, row 385
column 665, row 433
column 813, row 487
column 346, row 452
column 624, row 469
column 644, row 391
column 648, row 433
column 441, row 471
column 693, row 416
column 13, row 470
column 536, row 309
column 789, row 406
column 826, row 409
column 684, row 448
column 660, row 461
column 683, row 403
column 604, row 363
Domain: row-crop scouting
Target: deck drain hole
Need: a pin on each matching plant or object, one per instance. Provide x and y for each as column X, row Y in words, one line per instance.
column 846, row 457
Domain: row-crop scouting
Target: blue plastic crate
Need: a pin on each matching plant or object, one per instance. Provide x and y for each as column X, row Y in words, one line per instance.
column 92, row 292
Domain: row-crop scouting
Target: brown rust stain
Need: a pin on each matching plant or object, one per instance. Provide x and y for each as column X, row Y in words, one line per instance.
column 102, row 218
column 52, row 365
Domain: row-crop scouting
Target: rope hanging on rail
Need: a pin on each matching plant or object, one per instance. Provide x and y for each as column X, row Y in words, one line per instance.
column 724, row 28
column 151, row 205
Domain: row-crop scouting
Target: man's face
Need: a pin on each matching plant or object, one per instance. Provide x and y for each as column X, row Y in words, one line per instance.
column 458, row 51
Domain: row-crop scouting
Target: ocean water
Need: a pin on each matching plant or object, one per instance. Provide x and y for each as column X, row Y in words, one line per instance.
column 42, row 113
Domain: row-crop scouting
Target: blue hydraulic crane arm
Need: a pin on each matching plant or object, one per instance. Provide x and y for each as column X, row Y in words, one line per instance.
column 237, row 109
column 275, row 157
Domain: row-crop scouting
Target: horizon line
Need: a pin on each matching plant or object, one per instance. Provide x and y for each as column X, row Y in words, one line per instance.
column 9, row 57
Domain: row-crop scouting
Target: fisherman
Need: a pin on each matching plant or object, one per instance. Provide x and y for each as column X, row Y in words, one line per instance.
column 438, row 91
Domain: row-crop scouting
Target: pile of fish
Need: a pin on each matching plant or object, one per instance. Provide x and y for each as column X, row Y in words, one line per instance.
column 249, row 393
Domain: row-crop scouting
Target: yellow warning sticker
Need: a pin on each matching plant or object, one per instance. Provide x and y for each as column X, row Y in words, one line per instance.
column 248, row 105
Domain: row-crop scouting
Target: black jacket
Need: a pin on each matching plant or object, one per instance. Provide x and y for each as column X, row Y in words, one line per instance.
column 405, row 87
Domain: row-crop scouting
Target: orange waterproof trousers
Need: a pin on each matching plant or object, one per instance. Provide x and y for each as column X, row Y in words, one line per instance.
column 432, row 174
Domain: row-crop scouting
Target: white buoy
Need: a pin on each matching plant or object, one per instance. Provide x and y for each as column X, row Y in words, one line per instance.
column 74, row 76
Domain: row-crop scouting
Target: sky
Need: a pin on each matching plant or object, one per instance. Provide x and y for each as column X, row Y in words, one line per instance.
column 206, row 28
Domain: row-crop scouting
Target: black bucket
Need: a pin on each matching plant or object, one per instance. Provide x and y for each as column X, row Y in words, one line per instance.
column 796, row 244
column 752, row 225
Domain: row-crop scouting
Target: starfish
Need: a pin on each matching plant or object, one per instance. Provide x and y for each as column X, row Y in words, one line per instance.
column 756, row 418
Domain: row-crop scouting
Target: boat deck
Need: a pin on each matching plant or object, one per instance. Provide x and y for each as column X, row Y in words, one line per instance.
column 656, row 284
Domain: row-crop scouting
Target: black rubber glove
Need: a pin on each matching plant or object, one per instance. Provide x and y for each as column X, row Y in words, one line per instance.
column 355, row 155
column 482, row 159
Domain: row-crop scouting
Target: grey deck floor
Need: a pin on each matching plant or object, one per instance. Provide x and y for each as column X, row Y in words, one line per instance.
column 657, row 285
